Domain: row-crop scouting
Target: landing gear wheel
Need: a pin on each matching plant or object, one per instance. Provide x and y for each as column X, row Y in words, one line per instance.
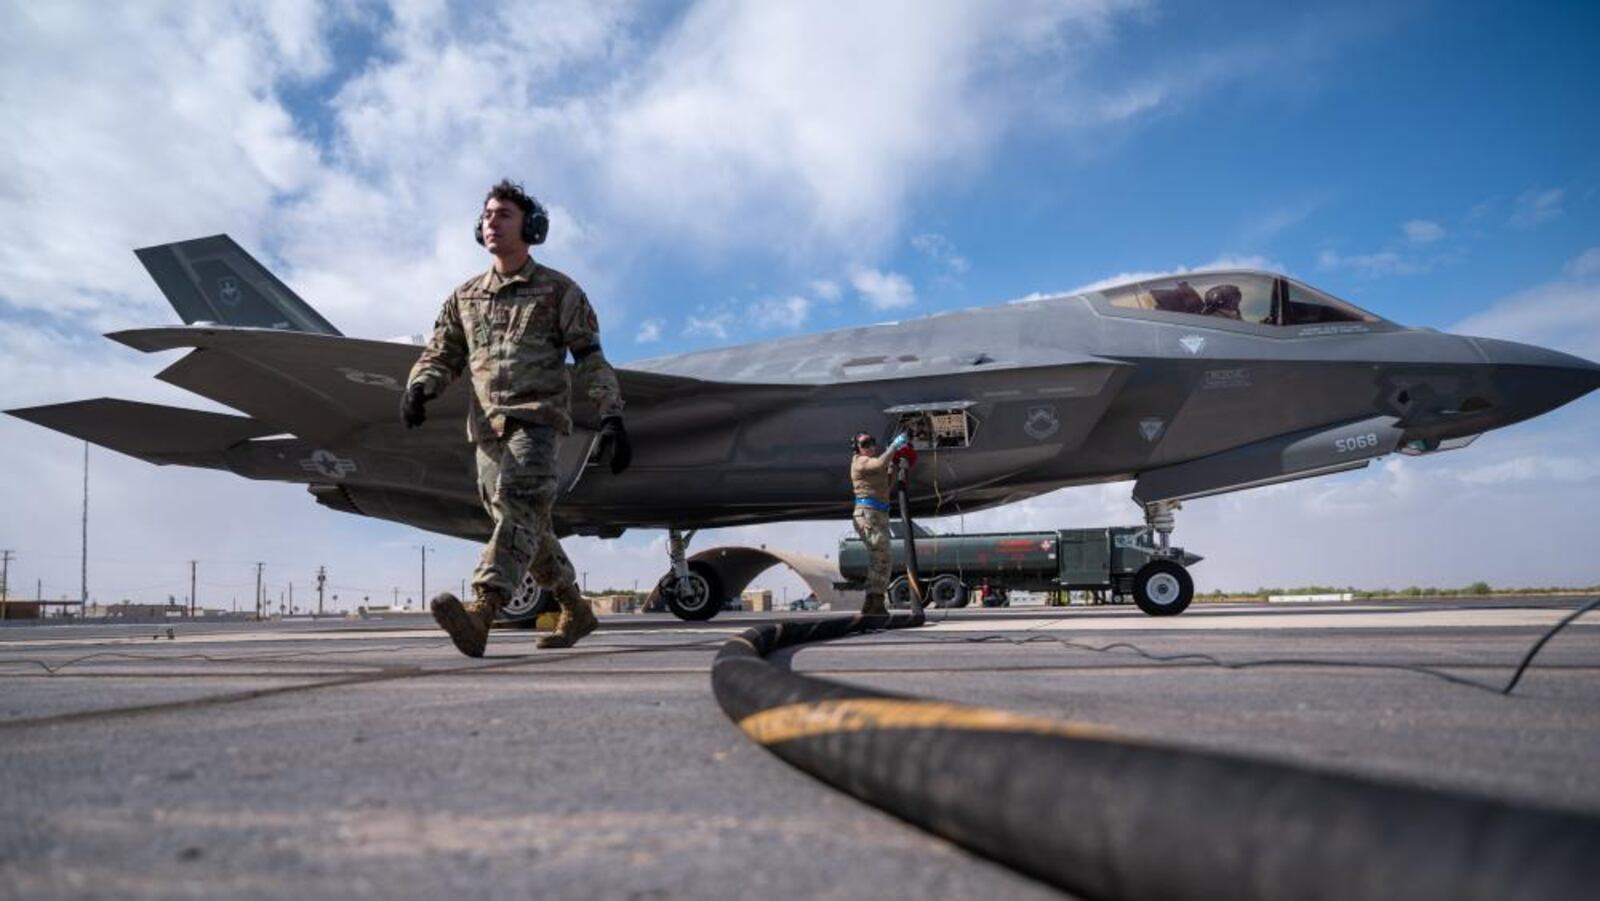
column 525, row 606
column 947, row 591
column 898, row 597
column 1162, row 588
column 700, row 597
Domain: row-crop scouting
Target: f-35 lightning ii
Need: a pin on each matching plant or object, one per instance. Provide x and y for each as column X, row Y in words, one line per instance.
column 1191, row 385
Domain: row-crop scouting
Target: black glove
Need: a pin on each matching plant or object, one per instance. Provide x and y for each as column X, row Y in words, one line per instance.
column 411, row 411
column 614, row 440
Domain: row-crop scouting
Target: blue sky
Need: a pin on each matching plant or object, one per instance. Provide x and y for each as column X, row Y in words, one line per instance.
column 721, row 173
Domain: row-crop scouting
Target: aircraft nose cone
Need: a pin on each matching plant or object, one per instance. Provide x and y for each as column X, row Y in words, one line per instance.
column 1534, row 380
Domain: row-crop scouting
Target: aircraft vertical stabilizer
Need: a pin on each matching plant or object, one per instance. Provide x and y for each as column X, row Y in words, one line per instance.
column 214, row 280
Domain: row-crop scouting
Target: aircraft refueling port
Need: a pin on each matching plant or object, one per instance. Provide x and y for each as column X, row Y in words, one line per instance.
column 936, row 426
column 1103, row 815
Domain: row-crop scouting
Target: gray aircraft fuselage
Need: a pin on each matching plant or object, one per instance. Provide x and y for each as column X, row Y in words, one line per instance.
column 1147, row 381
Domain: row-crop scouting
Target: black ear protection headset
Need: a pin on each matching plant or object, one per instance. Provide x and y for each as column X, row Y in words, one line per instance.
column 535, row 224
column 861, row 439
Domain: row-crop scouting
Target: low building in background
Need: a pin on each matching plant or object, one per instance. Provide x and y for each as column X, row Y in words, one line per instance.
column 616, row 603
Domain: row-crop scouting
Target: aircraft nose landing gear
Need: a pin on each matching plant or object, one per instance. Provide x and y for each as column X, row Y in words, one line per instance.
column 1163, row 587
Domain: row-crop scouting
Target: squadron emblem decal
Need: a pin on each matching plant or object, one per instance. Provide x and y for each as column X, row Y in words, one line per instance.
column 1192, row 343
column 375, row 379
column 329, row 464
column 1041, row 422
column 1151, row 428
column 228, row 291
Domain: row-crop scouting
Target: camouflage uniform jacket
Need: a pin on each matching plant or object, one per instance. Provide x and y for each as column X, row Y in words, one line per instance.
column 870, row 476
column 511, row 334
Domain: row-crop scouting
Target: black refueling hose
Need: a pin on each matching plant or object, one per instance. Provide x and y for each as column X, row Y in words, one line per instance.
column 918, row 599
column 1105, row 815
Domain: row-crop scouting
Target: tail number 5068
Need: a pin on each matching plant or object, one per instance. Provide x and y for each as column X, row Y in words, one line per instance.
column 1356, row 443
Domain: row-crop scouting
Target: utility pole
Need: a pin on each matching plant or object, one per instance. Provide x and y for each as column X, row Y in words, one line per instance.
column 192, row 602
column 424, row 592
column 585, row 582
column 5, row 582
column 291, row 598
column 322, row 578
column 258, row 589
column 396, row 601
column 83, row 585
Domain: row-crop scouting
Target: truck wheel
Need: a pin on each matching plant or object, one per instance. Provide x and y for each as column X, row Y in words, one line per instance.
column 899, row 594
column 947, row 591
column 1162, row 588
column 701, row 598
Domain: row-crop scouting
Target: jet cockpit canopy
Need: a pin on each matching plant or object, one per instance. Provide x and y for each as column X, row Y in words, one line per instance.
column 1257, row 297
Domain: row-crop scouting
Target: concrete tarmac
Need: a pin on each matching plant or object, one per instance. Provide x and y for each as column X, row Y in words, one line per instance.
column 369, row 759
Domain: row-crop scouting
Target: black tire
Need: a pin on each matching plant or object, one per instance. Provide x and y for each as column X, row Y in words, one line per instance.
column 997, row 597
column 704, row 599
column 947, row 591
column 898, row 595
column 1162, row 588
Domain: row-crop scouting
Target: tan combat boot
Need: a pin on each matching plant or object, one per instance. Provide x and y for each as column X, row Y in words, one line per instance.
column 577, row 619
column 874, row 605
column 467, row 624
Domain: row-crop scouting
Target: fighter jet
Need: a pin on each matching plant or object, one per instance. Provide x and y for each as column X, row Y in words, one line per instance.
column 1189, row 385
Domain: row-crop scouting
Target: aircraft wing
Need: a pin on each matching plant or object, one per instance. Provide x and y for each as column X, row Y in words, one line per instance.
column 154, row 433
column 321, row 387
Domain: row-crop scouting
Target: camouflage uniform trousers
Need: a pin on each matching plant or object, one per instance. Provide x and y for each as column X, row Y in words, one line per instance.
column 517, row 484
column 873, row 527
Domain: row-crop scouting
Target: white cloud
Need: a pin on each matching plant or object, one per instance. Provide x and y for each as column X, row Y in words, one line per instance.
column 1563, row 314
column 1585, row 265
column 1163, row 82
column 1372, row 265
column 770, row 122
column 1422, row 231
column 711, row 326
column 1537, row 206
column 938, row 248
column 882, row 290
column 1532, row 469
column 826, row 290
column 151, row 132
column 1267, row 226
column 649, row 330
column 781, row 312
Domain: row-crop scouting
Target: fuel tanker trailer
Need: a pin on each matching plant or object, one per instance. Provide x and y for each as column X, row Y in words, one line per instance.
column 1127, row 561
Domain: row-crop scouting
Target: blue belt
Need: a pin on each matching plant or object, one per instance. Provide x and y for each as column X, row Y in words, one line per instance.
column 873, row 504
